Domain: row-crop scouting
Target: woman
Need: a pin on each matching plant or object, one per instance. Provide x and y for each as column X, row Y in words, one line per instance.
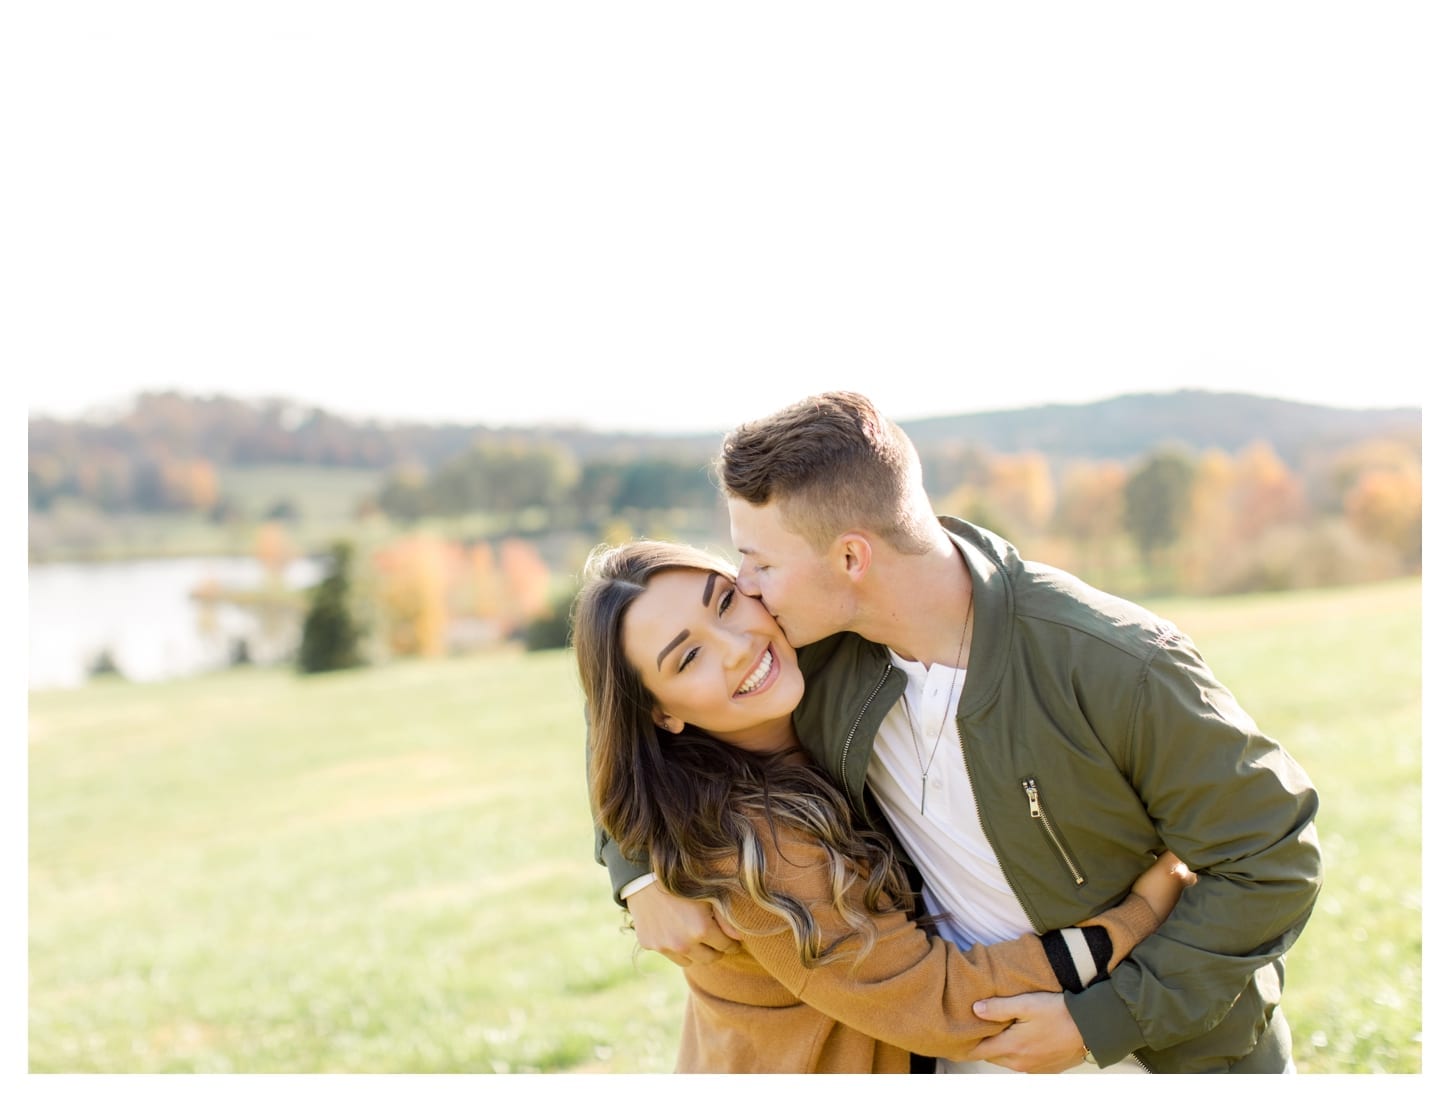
column 690, row 686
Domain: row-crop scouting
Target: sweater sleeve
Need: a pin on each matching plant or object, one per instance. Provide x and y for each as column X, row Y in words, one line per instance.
column 913, row 990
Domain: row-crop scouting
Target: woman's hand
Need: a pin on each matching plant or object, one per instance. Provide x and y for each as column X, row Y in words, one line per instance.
column 1163, row 883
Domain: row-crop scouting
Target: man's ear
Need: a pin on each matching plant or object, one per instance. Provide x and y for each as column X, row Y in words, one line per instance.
column 854, row 554
column 667, row 722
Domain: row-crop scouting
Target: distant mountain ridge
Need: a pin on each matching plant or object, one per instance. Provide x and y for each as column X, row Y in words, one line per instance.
column 1121, row 428
column 234, row 432
column 1134, row 424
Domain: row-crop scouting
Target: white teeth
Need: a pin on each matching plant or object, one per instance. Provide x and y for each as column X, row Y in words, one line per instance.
column 761, row 672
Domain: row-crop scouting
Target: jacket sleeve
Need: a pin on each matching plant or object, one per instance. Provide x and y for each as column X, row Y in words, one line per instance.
column 622, row 869
column 913, row 990
column 1238, row 810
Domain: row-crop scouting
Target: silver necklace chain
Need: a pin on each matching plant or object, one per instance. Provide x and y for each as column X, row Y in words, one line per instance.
column 941, row 729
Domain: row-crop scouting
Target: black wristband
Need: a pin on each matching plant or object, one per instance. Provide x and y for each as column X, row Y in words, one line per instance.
column 1079, row 955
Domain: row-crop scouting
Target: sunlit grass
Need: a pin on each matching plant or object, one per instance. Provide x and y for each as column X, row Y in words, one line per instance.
column 390, row 870
column 382, row 870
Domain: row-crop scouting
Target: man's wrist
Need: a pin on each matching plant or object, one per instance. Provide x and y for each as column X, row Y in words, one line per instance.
column 1103, row 1021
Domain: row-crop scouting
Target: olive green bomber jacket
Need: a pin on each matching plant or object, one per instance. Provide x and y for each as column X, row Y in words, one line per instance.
column 1095, row 735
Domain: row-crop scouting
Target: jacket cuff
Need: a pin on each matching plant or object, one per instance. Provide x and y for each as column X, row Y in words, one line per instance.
column 621, row 869
column 1108, row 1030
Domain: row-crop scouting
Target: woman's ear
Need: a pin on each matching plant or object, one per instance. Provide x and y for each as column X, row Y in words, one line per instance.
column 667, row 722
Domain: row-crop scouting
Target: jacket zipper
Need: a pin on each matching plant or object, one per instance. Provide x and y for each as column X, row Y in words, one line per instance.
column 1038, row 812
column 1027, row 909
column 851, row 734
column 1035, row 805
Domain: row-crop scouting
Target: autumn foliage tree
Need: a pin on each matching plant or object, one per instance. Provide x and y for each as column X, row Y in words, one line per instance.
column 1209, row 527
column 191, row 484
column 1088, row 516
column 1240, row 508
column 1386, row 506
column 428, row 586
column 526, row 582
column 1265, row 493
column 1019, row 489
column 415, row 575
column 274, row 549
column 1012, row 495
column 1381, row 491
column 483, row 594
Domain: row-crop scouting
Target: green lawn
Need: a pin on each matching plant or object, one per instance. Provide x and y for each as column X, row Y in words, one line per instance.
column 327, row 494
column 389, row 870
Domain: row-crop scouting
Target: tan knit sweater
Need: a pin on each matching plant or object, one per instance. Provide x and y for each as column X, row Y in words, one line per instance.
column 761, row 1010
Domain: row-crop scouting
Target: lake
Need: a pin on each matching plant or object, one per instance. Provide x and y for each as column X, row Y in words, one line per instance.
column 142, row 613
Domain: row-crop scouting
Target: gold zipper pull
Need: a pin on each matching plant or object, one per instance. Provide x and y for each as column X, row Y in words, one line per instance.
column 1030, row 787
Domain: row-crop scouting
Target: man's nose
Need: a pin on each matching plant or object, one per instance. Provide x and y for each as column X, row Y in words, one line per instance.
column 746, row 582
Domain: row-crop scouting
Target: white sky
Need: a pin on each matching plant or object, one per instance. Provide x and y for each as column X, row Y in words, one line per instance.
column 679, row 216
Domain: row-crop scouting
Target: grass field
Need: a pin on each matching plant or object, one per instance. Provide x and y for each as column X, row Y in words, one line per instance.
column 327, row 494
column 390, row 870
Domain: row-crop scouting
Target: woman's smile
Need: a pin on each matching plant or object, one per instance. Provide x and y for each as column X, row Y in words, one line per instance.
column 761, row 675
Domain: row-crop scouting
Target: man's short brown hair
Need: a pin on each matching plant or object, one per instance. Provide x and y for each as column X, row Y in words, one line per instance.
column 831, row 462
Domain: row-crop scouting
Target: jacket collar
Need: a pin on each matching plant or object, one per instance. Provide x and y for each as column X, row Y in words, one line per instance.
column 851, row 684
column 987, row 556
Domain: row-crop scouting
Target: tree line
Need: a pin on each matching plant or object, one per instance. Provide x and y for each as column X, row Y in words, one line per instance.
column 1344, row 505
column 169, row 452
column 1195, row 522
column 1211, row 522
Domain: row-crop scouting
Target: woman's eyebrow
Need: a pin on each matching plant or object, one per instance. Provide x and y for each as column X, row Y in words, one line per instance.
column 671, row 645
column 710, row 580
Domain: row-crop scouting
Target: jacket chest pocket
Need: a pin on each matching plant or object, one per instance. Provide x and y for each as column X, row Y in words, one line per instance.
column 1041, row 818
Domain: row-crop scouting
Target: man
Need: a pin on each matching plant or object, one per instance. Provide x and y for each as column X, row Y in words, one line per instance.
column 1089, row 735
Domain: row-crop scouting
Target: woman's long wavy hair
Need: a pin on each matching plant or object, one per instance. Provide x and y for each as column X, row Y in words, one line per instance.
column 698, row 806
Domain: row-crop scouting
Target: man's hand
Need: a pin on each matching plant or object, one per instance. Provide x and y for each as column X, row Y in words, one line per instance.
column 1042, row 1037
column 685, row 931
